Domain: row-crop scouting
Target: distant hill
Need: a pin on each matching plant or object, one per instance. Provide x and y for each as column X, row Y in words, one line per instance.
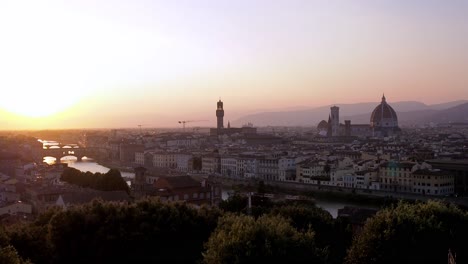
column 448, row 105
column 458, row 113
column 409, row 112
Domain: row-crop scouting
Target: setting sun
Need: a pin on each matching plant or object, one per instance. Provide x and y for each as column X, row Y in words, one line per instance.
column 37, row 102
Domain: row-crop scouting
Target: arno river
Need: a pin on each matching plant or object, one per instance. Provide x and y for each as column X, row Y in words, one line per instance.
column 90, row 165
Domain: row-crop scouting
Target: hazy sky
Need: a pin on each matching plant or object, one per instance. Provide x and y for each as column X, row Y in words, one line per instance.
column 94, row 63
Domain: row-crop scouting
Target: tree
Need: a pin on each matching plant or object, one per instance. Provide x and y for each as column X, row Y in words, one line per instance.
column 8, row 254
column 261, row 188
column 145, row 232
column 331, row 235
column 268, row 239
column 197, row 163
column 418, row 233
column 110, row 181
column 304, row 218
column 235, row 204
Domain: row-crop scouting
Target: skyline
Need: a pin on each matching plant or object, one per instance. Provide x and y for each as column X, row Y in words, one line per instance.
column 98, row 62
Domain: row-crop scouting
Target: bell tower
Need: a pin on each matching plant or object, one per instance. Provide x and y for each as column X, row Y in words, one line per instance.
column 220, row 114
column 335, row 120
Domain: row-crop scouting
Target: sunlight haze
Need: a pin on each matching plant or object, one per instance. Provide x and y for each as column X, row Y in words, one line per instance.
column 123, row 63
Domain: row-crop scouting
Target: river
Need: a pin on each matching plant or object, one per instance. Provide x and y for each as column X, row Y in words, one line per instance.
column 333, row 206
column 329, row 206
column 90, row 165
column 86, row 165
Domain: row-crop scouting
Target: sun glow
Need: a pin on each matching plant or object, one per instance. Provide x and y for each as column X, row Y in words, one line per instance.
column 52, row 56
column 37, row 103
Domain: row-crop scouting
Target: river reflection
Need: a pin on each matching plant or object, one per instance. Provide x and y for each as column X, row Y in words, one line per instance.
column 329, row 206
column 86, row 164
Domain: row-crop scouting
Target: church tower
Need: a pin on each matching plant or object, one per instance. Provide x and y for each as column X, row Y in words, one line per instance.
column 220, row 114
column 335, row 120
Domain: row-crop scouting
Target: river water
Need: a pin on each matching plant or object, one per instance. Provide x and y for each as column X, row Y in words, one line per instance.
column 329, row 206
column 86, row 165
column 90, row 165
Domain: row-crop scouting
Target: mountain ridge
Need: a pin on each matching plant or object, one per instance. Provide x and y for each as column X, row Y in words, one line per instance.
column 408, row 112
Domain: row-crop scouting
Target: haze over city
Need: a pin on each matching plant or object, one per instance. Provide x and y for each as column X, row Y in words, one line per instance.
column 123, row 63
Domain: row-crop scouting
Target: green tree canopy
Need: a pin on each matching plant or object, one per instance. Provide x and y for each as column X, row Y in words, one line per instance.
column 110, row 181
column 419, row 233
column 147, row 231
column 234, row 204
column 8, row 254
column 330, row 234
column 268, row 239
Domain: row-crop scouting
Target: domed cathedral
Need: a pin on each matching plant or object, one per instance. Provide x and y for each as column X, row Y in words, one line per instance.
column 384, row 120
column 383, row 123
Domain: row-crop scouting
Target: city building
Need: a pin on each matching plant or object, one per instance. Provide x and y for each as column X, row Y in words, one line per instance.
column 384, row 120
column 187, row 189
column 383, row 123
column 221, row 130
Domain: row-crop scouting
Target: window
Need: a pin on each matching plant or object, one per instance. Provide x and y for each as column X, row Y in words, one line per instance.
column 186, row 196
column 195, row 195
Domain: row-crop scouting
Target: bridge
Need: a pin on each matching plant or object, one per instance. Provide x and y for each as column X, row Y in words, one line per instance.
column 60, row 151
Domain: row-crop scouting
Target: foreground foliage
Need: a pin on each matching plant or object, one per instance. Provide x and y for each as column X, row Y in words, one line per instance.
column 268, row 239
column 145, row 232
column 419, row 233
column 8, row 254
column 149, row 231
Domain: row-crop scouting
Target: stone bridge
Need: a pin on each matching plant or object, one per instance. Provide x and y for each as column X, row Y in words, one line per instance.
column 59, row 152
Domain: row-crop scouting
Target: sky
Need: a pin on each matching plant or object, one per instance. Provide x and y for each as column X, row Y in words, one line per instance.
column 120, row 63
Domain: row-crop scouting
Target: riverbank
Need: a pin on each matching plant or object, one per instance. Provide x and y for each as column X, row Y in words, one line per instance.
column 373, row 198
column 318, row 195
column 114, row 165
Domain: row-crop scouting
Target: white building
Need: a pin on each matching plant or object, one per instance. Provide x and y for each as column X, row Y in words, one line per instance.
column 16, row 208
column 211, row 164
column 229, row 166
column 287, row 168
column 337, row 176
column 268, row 169
column 164, row 160
column 184, row 161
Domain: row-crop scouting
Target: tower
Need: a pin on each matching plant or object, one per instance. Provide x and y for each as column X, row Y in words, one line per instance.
column 335, row 120
column 220, row 114
column 138, row 184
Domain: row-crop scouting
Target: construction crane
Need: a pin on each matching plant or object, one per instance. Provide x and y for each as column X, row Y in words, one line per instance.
column 183, row 122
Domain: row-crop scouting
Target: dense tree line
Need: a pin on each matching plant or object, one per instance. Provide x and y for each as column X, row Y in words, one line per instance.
column 8, row 254
column 418, row 233
column 267, row 239
column 110, row 181
column 149, row 231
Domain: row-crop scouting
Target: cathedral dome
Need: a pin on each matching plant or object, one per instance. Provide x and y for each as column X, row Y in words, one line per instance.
column 323, row 125
column 384, row 116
